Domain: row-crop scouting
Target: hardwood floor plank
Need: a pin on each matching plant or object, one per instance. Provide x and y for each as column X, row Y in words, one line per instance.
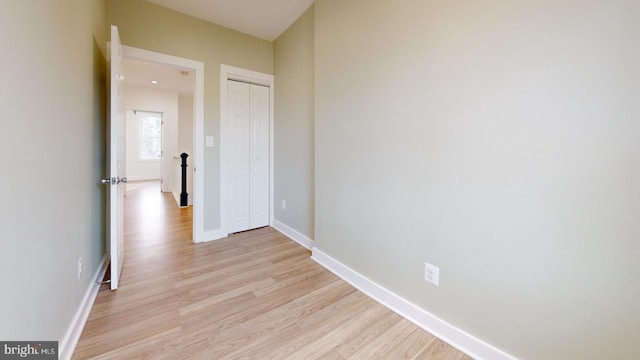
column 362, row 336
column 206, row 303
column 328, row 345
column 412, row 345
column 385, row 341
column 284, row 341
column 226, row 317
column 439, row 350
column 260, row 329
column 127, row 332
column 150, row 347
column 253, row 295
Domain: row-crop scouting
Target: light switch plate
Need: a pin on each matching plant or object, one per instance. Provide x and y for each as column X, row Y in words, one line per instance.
column 209, row 141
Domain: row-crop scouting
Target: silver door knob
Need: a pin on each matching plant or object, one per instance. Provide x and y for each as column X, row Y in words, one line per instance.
column 122, row 180
column 108, row 181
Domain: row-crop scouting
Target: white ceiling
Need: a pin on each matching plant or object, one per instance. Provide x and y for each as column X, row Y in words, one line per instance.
column 168, row 78
column 265, row 19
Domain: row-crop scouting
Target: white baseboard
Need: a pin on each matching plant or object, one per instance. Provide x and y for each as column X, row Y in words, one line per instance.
column 213, row 235
column 448, row 333
column 176, row 196
column 293, row 234
column 70, row 340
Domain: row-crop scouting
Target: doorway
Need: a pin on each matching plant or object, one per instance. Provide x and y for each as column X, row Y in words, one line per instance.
column 197, row 69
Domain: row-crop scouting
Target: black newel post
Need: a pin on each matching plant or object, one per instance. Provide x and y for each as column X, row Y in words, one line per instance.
column 184, row 197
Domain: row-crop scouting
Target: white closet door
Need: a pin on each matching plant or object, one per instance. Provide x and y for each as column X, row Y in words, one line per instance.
column 238, row 165
column 259, row 158
column 248, row 155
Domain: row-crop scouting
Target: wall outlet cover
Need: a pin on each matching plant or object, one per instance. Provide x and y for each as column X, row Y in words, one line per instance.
column 79, row 268
column 432, row 274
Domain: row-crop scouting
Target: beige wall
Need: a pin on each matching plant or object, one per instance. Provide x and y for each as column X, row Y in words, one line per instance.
column 151, row 27
column 497, row 140
column 52, row 139
column 294, row 163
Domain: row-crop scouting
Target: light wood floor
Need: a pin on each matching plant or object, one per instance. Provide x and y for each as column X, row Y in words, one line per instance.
column 254, row 295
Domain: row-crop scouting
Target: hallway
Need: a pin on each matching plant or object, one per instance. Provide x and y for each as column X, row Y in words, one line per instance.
column 253, row 295
column 153, row 224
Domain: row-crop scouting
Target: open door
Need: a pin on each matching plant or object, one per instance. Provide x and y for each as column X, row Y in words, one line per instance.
column 115, row 141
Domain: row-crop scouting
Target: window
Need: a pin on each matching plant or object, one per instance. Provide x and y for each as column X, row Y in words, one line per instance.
column 150, row 136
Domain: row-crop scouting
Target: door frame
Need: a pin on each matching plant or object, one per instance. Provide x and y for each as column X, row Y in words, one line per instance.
column 198, row 124
column 233, row 73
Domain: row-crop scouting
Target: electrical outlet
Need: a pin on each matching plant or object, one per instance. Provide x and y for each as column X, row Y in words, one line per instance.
column 432, row 274
column 284, row 204
column 79, row 268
